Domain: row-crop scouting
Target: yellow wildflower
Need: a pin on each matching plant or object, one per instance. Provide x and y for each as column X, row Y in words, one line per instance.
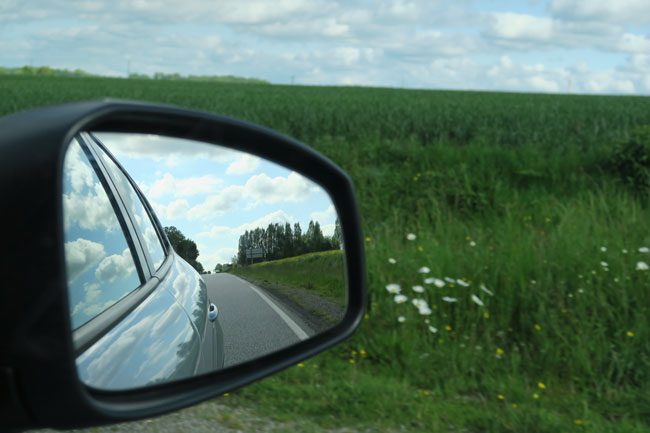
column 538, row 328
column 351, row 361
column 448, row 328
column 535, row 396
column 301, row 365
column 500, row 352
column 541, row 385
column 368, row 239
column 363, row 353
column 226, row 394
column 578, row 422
column 501, row 396
column 486, row 315
column 629, row 334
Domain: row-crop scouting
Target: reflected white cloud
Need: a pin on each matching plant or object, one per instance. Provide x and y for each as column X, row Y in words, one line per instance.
column 115, row 267
column 169, row 150
column 328, row 215
column 91, row 304
column 80, row 255
column 169, row 185
column 292, row 188
column 244, row 165
column 90, row 211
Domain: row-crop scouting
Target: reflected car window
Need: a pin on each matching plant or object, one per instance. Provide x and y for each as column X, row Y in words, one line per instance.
column 143, row 222
column 99, row 264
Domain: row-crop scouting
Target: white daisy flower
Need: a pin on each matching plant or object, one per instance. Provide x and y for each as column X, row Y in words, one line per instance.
column 449, row 299
column 450, row 280
column 393, row 288
column 472, row 244
column 424, row 270
column 642, row 266
column 604, row 264
column 462, row 283
column 411, row 237
column 433, row 329
column 418, row 289
column 400, row 299
column 477, row 300
column 435, row 281
column 401, row 319
column 486, row 290
column 603, row 249
column 392, row 261
column 644, row 250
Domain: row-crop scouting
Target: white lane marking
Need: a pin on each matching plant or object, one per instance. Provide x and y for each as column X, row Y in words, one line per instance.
column 302, row 335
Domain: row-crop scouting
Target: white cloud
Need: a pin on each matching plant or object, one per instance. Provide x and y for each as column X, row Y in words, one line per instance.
column 210, row 258
column 541, row 83
column 292, row 188
column 170, row 150
column 185, row 187
column 217, row 204
column 173, row 210
column 279, row 217
column 80, row 255
column 90, row 305
column 622, row 11
column 77, row 170
column 90, row 211
column 114, row 267
column 326, row 216
column 508, row 25
column 246, row 163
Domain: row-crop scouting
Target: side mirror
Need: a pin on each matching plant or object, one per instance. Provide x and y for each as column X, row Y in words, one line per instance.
column 160, row 256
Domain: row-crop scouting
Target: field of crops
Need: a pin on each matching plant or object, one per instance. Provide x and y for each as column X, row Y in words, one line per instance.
column 518, row 223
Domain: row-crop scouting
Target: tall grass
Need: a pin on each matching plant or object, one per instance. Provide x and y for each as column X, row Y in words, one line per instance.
column 516, row 192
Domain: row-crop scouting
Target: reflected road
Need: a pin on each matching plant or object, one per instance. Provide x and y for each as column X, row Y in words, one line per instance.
column 254, row 323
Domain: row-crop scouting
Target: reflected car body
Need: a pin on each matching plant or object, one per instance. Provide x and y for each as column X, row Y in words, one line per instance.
column 159, row 332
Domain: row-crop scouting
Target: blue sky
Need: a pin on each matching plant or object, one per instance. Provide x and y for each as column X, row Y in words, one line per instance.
column 578, row 46
column 213, row 194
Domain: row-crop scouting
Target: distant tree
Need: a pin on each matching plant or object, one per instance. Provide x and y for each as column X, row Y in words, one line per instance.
column 184, row 247
column 337, row 237
column 298, row 242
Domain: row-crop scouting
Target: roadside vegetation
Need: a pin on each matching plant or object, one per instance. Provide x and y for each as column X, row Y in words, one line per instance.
column 315, row 282
column 507, row 249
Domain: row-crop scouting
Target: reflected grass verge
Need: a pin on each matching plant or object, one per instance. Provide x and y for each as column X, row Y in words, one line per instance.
column 313, row 283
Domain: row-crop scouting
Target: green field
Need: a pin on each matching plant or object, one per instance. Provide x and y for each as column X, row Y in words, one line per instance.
column 541, row 198
column 296, row 278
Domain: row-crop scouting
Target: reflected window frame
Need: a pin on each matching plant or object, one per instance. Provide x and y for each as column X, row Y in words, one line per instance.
column 85, row 335
column 162, row 238
column 126, row 231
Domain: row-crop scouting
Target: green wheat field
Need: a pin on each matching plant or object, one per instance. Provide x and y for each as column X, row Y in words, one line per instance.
column 507, row 240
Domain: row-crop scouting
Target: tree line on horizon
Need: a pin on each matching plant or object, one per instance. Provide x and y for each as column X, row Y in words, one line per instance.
column 279, row 241
column 47, row 71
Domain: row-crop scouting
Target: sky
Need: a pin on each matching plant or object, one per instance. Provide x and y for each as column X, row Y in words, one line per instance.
column 214, row 194
column 557, row 46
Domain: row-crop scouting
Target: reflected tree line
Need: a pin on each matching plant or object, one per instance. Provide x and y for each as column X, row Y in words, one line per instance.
column 279, row 241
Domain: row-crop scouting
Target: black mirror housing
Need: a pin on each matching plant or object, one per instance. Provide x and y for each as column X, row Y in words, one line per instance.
column 38, row 377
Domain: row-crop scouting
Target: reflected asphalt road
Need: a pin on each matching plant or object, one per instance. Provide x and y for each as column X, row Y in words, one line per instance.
column 253, row 322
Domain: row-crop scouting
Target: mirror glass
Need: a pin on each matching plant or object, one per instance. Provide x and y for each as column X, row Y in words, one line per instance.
column 183, row 258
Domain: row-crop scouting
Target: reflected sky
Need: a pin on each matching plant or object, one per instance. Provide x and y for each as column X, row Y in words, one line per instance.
column 214, row 194
column 99, row 264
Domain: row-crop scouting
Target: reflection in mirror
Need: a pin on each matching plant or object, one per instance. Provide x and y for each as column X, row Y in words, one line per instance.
column 183, row 258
